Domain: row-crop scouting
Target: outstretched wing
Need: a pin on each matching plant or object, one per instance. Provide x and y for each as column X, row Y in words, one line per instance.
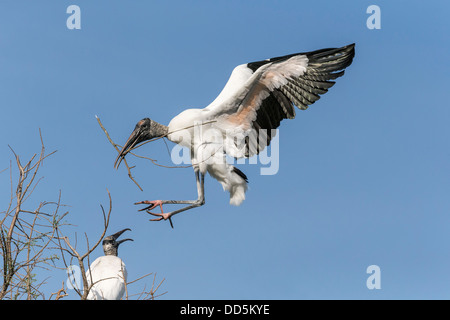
column 259, row 95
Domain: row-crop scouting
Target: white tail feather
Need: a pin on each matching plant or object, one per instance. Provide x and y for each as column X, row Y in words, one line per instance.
column 230, row 181
column 237, row 194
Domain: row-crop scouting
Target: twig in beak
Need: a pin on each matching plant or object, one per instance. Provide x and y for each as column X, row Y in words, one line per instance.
column 118, row 151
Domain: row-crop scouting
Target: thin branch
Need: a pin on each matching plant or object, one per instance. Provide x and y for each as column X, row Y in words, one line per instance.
column 61, row 293
column 106, row 224
column 118, row 151
column 154, row 161
column 140, row 278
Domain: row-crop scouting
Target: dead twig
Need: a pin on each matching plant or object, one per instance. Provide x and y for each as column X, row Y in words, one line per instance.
column 61, row 293
column 25, row 238
column 118, row 151
column 67, row 247
column 154, row 161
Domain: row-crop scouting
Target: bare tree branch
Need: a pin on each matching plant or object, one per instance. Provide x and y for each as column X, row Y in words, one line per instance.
column 118, row 151
column 33, row 239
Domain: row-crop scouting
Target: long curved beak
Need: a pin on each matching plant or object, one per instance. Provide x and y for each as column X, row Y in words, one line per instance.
column 128, row 239
column 119, row 233
column 134, row 138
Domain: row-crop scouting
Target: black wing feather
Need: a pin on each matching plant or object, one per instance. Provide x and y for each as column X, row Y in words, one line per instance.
column 324, row 66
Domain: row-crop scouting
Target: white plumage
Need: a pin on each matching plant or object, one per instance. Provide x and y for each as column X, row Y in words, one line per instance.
column 107, row 275
column 243, row 118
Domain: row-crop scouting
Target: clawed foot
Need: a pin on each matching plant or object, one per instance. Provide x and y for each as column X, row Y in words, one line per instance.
column 153, row 204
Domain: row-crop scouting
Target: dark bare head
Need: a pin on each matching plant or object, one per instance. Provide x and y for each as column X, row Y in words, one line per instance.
column 145, row 129
column 111, row 245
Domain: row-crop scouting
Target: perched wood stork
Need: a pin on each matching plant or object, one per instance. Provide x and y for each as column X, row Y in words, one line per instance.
column 243, row 118
column 108, row 273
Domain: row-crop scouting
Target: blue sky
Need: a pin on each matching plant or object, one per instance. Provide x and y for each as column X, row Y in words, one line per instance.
column 364, row 172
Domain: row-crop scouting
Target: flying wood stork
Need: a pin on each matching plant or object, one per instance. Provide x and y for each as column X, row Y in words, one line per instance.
column 256, row 98
column 108, row 273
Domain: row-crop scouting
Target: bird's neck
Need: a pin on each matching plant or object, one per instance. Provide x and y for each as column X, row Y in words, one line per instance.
column 159, row 129
column 111, row 252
